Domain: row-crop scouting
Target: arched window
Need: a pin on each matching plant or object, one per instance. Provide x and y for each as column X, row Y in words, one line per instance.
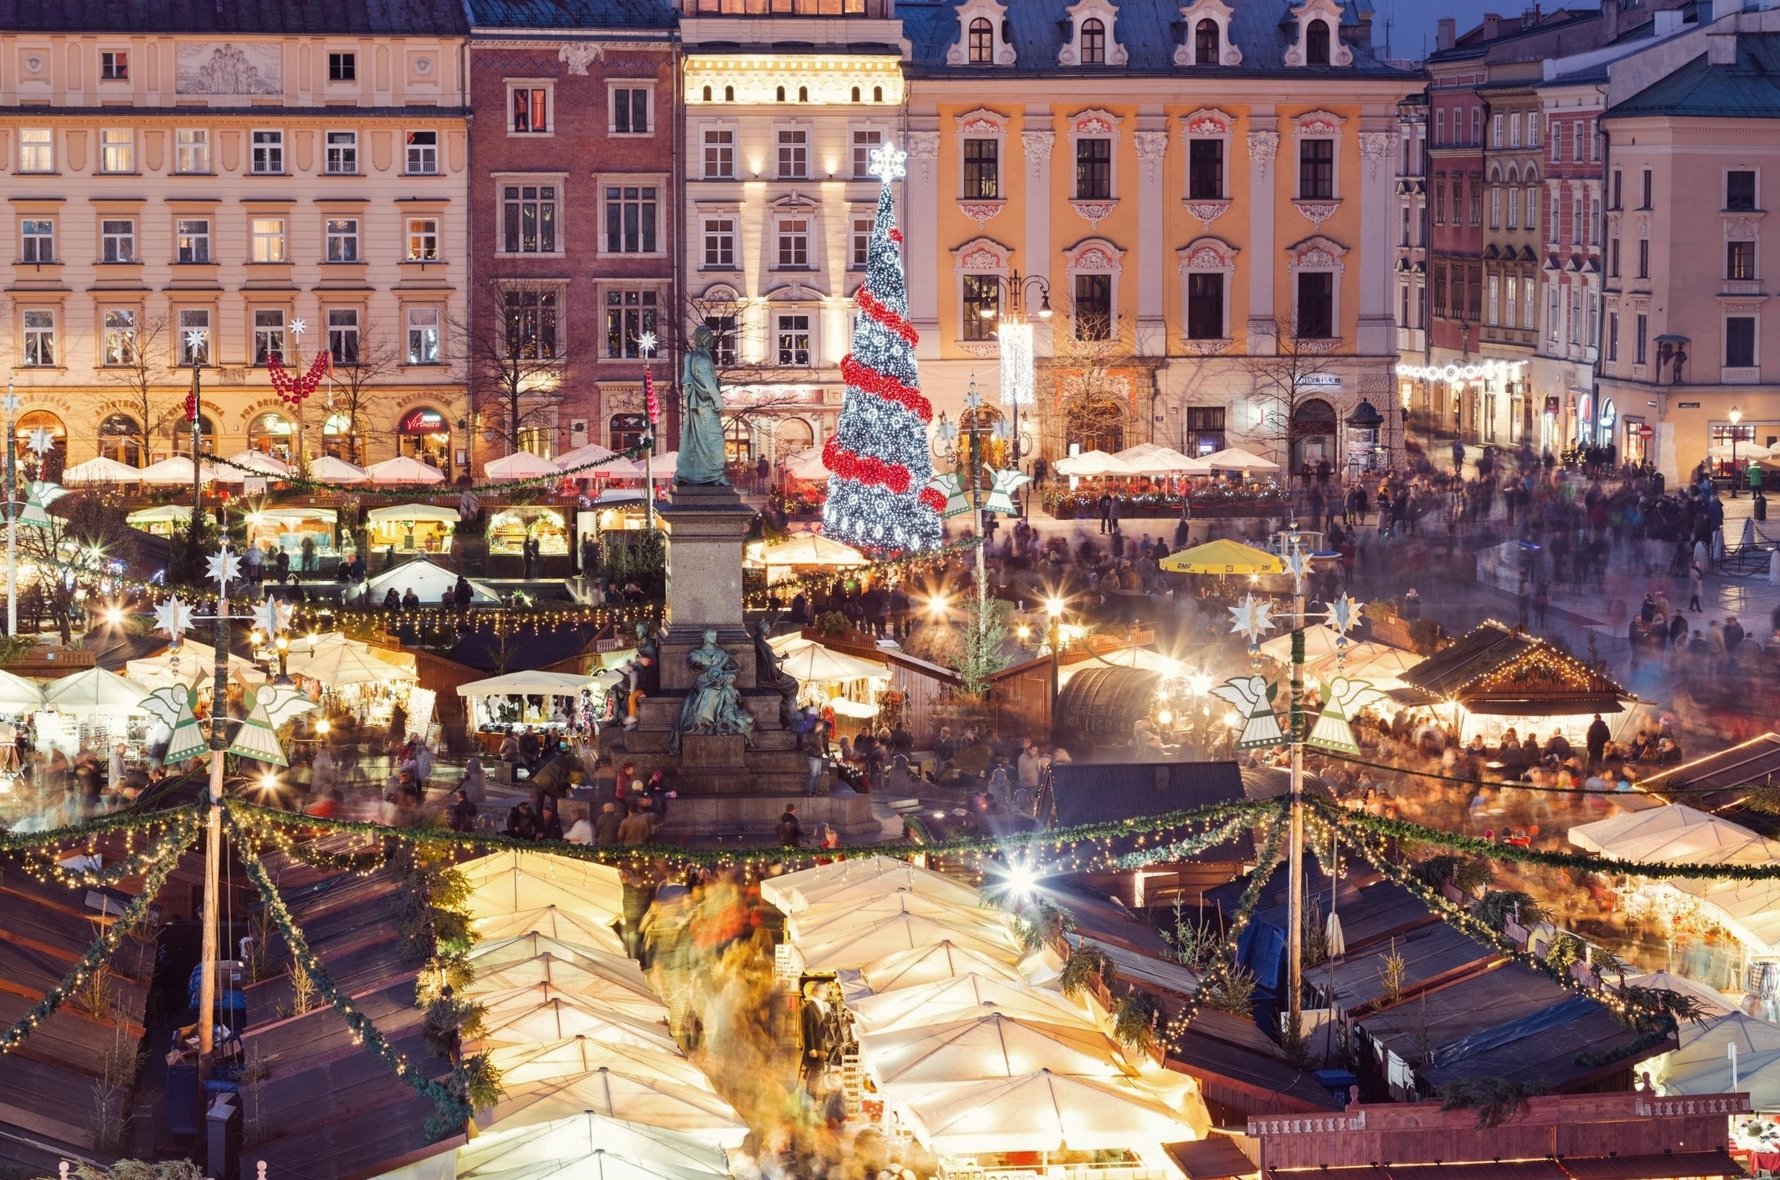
column 273, row 434
column 708, row 94
column 626, row 431
column 856, row 93
column 982, row 42
column 1316, row 43
column 338, row 439
column 729, row 94
column 121, row 439
column 877, row 94
column 1206, row 47
column 182, row 435
column 1093, row 42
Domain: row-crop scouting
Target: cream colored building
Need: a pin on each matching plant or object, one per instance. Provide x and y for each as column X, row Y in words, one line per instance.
column 242, row 186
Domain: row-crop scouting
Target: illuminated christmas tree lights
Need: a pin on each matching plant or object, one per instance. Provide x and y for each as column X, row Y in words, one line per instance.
column 878, row 498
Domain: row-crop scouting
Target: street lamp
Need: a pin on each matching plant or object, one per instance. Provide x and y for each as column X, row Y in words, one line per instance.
column 1015, row 333
column 949, row 441
column 282, row 644
column 11, row 404
column 1736, row 416
column 1054, row 608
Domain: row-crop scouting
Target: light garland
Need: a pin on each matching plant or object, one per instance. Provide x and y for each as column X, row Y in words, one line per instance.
column 45, row 864
column 162, row 861
column 1018, row 373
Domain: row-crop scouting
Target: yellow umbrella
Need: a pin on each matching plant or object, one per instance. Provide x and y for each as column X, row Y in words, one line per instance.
column 1223, row 557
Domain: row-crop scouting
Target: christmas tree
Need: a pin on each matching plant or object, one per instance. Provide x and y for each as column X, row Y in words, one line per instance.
column 878, row 498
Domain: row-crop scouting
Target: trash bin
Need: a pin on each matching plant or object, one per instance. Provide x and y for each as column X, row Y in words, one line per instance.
column 1761, row 506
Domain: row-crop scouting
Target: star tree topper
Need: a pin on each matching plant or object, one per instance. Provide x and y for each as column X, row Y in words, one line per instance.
column 174, row 617
column 888, row 162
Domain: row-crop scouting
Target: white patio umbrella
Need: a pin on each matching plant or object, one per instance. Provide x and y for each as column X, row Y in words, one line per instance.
column 339, row 665
column 1703, row 1065
column 1045, row 1112
column 587, row 1146
column 1155, row 459
column 176, row 471
column 1711, row 1001
column 819, row 920
column 519, row 1022
column 1672, row 832
column 18, row 695
column 993, row 1046
column 328, row 469
column 1318, row 642
column 816, row 664
column 531, row 682
column 101, row 470
column 964, row 996
column 662, row 465
column 1237, row 459
column 1744, row 451
column 261, row 463
column 856, row 945
column 1091, row 464
column 805, row 464
column 95, row 692
column 520, row 465
column 403, row 469
column 931, row 964
column 581, row 456
column 811, row 549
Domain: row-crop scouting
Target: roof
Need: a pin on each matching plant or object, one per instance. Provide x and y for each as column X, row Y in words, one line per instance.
column 1216, row 1157
column 320, row 17
column 1498, row 670
column 1098, row 792
column 571, row 14
column 1149, row 30
column 1240, row 1069
column 1747, row 88
column 1718, row 782
column 1431, row 955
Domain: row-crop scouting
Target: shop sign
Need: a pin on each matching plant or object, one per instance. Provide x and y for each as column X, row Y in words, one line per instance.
column 1687, row 405
column 422, row 421
column 1319, row 381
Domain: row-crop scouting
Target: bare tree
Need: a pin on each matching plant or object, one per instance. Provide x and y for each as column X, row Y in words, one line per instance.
column 514, row 353
column 1286, row 378
column 356, row 380
column 135, row 367
column 68, row 552
column 1093, row 370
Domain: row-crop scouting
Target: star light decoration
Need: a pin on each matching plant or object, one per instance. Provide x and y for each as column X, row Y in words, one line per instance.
column 174, row 617
column 10, row 403
column 194, row 341
column 646, row 343
column 1252, row 618
column 298, row 327
column 888, row 162
column 224, row 567
column 42, row 442
column 272, row 616
column 1343, row 616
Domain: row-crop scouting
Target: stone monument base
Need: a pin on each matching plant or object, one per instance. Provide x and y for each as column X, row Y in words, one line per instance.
column 754, row 819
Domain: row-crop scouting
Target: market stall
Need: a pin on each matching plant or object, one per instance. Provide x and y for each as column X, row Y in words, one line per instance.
column 92, row 708
column 430, row 583
column 402, row 470
column 411, row 528
column 500, row 705
column 163, row 520
column 511, row 530
column 194, row 664
column 100, row 470
column 803, row 553
column 834, row 680
column 287, row 529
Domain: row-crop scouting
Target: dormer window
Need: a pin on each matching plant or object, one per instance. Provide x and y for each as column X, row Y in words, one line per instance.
column 982, row 35
column 1316, row 43
column 1093, row 40
column 1207, row 41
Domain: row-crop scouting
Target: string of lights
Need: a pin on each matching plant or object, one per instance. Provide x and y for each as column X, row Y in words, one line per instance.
column 164, row 859
column 137, row 822
column 45, row 864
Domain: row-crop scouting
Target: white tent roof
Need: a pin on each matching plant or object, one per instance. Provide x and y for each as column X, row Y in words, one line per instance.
column 162, row 513
column 520, row 1021
column 1748, row 909
column 400, row 512
column 328, row 469
column 531, row 682
column 1674, row 831
column 101, row 470
column 197, row 664
column 812, row 549
column 1090, row 464
column 992, row 1046
column 573, row 1057
column 520, row 465
column 510, row 881
column 553, row 921
column 1155, row 459
column 691, row 1111
column 587, row 1146
column 177, row 472
column 95, row 692
column 18, row 694
column 853, row 945
column 1702, row 1064
column 1714, row 1003
column 581, row 456
column 1045, row 1112
column 924, row 966
column 261, row 462
column 428, row 581
column 1318, row 642
column 819, row 920
column 338, row 665
column 924, row 883
column 805, row 464
column 962, row 995
column 816, row 664
column 1237, row 459
column 577, row 976
column 789, row 891
column 403, row 469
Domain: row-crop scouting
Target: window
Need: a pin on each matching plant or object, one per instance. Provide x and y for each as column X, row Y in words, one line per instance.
column 1206, row 427
column 1514, row 129
column 1439, row 290
column 1645, row 183
column 1316, row 305
column 794, row 338
column 1458, row 200
column 719, row 154
column 1316, row 43
column 531, row 110
column 1492, row 314
column 1643, row 258
column 528, row 219
column 191, row 239
column 342, row 235
column 794, row 243
column 114, row 65
column 1513, row 208
column 630, row 219
column 1476, row 126
column 629, row 313
column 423, row 239
column 423, row 335
column 1578, row 130
column 1093, row 307
column 423, row 153
column 1495, row 206
column 982, row 302
column 1439, row 203
column 1316, row 170
column 1557, row 208
column 342, row 156
column 117, row 241
column 40, row 337
column 1739, row 191
column 1093, row 169
column 1739, row 342
column 268, row 239
column 37, row 149
column 1496, row 124
column 719, row 243
column 1613, row 258
column 1476, row 200
column 268, row 153
column 531, row 324
column 982, row 169
column 1440, row 127
column 191, row 150
column 861, row 252
column 117, row 150
column 1551, row 315
column 268, row 334
column 1205, row 305
column 1613, row 335
column 723, row 333
column 1576, row 220
column 1093, row 42
column 1640, row 339
column 1205, row 169
column 982, row 42
column 864, row 144
column 1557, row 142
column 794, row 155
column 1739, row 260
column 343, row 335
column 194, row 351
column 1511, row 300
column 342, row 67
column 1618, row 189
column 1206, row 47
column 1594, row 221
column 120, row 336
column 630, row 110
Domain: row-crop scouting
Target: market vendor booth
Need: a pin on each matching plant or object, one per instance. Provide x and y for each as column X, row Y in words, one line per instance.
column 411, row 528
column 509, row 529
column 287, row 529
column 163, row 520
column 533, row 699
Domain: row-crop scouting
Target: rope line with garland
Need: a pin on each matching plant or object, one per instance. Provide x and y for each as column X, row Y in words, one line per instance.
column 46, row 863
column 134, row 822
column 168, row 852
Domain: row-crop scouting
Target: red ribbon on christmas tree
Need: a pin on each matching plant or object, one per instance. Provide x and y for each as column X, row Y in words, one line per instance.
column 294, row 387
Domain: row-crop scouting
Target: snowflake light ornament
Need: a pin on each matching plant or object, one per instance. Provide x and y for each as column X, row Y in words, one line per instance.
column 10, row 403
column 646, row 343
column 298, row 327
column 174, row 617
column 272, row 616
column 224, row 568
column 194, row 341
column 889, row 162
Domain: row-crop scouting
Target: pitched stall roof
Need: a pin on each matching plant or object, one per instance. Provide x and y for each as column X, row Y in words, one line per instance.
column 1747, row 88
column 1720, row 782
column 1498, row 670
column 337, row 17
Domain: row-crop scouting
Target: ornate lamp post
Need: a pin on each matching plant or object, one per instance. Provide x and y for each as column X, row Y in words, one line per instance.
column 1736, row 417
column 11, row 405
column 1015, row 333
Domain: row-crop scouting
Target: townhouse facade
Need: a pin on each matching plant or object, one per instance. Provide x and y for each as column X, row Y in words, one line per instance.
column 575, row 171
column 184, row 198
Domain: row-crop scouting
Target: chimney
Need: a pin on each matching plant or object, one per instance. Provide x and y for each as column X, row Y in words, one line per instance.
column 1447, row 32
column 1609, row 21
column 1721, row 47
column 1492, row 26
